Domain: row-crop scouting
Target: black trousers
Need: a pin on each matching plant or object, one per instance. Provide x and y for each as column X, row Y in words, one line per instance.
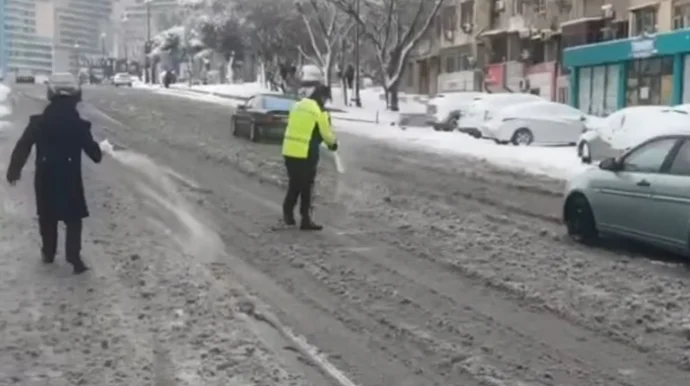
column 49, row 236
column 301, row 175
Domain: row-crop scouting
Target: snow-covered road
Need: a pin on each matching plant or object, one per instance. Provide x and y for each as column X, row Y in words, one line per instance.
column 433, row 269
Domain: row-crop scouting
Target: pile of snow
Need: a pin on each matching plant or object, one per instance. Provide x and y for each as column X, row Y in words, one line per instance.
column 5, row 103
column 556, row 162
column 373, row 101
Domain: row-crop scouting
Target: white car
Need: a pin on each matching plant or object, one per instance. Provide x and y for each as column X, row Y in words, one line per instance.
column 445, row 110
column 627, row 128
column 536, row 122
column 486, row 106
column 122, row 79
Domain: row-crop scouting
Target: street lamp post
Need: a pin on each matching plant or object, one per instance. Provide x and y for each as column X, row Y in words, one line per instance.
column 358, row 102
column 148, row 74
column 76, row 58
column 125, row 47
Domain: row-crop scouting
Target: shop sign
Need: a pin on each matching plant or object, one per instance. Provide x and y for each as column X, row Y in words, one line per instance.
column 495, row 74
column 643, row 47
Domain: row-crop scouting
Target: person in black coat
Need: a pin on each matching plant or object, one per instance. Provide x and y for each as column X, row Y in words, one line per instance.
column 60, row 135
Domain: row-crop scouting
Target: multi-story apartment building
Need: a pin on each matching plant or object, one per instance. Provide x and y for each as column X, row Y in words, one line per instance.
column 512, row 46
column 26, row 36
column 650, row 66
column 82, row 29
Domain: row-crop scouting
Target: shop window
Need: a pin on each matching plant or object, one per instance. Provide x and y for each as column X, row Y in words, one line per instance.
column 499, row 50
column 681, row 16
column 598, row 94
column 650, row 82
column 645, row 20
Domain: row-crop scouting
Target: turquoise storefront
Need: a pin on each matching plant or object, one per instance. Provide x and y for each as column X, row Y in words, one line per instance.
column 644, row 70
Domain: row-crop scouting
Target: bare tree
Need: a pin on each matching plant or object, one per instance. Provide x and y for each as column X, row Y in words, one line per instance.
column 326, row 26
column 393, row 27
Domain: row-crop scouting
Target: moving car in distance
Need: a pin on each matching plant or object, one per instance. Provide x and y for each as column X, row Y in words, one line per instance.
column 444, row 110
column 486, row 106
column 627, row 127
column 262, row 117
column 24, row 76
column 642, row 195
column 541, row 122
column 62, row 83
column 122, row 79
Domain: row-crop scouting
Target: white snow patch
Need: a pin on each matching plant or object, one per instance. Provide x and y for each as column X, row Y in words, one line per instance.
column 4, row 93
column 557, row 162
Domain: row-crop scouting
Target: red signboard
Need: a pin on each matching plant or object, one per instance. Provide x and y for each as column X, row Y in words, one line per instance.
column 495, row 74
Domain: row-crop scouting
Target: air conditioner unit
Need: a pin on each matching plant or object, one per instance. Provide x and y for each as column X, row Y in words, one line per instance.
column 525, row 55
column 467, row 27
column 499, row 5
column 524, row 33
column 607, row 11
column 546, row 34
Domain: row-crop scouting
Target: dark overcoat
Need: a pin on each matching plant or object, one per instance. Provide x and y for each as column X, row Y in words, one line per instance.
column 60, row 136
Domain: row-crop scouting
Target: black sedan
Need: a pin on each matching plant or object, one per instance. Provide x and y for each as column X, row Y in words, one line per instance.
column 262, row 117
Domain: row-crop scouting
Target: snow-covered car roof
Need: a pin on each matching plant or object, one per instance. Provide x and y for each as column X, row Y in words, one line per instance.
column 541, row 108
column 644, row 122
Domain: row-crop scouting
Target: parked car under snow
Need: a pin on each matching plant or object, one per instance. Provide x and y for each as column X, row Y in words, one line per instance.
column 627, row 128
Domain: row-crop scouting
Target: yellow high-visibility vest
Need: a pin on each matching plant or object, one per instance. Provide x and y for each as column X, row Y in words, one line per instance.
column 305, row 117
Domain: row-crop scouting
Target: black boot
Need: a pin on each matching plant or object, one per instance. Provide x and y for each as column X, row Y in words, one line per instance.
column 47, row 259
column 289, row 218
column 308, row 225
column 78, row 266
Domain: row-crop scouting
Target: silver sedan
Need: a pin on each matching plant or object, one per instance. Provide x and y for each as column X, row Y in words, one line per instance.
column 641, row 195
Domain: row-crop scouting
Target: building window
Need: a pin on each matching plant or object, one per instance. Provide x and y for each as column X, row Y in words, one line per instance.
column 467, row 12
column 540, row 6
column 456, row 62
column 645, row 20
column 650, row 82
column 450, row 19
column 681, row 16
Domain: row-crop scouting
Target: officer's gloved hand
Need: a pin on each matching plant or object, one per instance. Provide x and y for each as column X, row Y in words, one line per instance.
column 333, row 147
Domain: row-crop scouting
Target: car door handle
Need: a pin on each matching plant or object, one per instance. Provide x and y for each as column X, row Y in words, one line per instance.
column 643, row 183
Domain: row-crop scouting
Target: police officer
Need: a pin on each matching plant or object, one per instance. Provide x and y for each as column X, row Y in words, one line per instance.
column 308, row 125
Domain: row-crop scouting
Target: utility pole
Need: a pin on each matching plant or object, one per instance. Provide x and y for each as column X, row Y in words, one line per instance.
column 358, row 102
column 148, row 75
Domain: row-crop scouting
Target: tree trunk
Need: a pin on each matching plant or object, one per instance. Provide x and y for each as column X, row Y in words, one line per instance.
column 393, row 95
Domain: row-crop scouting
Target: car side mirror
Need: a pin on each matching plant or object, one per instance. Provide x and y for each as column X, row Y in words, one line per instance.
column 583, row 118
column 241, row 107
column 611, row 164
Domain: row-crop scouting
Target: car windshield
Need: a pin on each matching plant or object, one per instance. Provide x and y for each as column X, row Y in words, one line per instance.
column 62, row 78
column 278, row 103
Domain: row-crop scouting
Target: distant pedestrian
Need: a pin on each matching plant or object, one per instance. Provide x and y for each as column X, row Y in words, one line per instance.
column 60, row 135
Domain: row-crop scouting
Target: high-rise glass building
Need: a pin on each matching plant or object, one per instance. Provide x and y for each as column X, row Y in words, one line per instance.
column 26, row 36
column 81, row 32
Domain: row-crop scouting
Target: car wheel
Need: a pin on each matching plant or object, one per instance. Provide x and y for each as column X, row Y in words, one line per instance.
column 579, row 219
column 233, row 127
column 583, row 151
column 522, row 137
column 453, row 123
column 253, row 133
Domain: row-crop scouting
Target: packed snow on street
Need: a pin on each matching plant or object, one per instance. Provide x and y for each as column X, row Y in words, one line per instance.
column 443, row 261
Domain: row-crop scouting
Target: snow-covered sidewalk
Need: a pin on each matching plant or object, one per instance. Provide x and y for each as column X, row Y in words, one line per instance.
column 159, row 305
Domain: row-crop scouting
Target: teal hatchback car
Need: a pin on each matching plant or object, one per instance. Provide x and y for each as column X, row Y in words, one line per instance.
column 643, row 194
